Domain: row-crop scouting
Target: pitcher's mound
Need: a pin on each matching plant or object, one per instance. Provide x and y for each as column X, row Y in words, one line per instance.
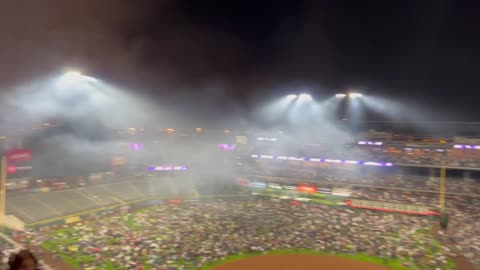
column 299, row 262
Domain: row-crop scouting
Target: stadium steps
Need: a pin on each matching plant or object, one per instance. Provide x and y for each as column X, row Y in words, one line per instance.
column 97, row 198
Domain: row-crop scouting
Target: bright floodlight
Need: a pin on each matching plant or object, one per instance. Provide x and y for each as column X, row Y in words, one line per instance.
column 74, row 77
column 292, row 96
column 340, row 95
column 73, row 73
column 305, row 97
column 354, row 95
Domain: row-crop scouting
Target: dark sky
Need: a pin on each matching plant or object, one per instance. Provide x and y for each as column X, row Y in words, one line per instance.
column 231, row 54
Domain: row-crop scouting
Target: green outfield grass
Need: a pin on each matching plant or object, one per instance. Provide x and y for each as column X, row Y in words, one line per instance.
column 66, row 240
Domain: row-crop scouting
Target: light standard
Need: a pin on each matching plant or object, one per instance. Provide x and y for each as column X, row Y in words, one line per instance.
column 19, row 155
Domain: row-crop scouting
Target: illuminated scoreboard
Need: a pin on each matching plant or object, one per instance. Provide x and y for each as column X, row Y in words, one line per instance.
column 241, row 140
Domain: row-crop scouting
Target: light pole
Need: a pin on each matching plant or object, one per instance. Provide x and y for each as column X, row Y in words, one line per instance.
column 71, row 77
column 3, row 189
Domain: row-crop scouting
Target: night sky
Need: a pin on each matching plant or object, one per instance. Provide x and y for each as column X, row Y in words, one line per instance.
column 231, row 55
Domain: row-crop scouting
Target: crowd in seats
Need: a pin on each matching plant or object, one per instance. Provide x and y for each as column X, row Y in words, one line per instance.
column 380, row 154
column 194, row 234
column 463, row 232
column 341, row 177
column 462, row 237
column 462, row 202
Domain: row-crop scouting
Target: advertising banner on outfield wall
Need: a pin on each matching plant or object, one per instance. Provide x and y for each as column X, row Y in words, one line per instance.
column 19, row 155
column 307, row 188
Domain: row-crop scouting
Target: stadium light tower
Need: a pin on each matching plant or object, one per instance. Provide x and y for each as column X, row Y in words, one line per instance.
column 74, row 77
column 305, row 97
column 73, row 73
column 354, row 95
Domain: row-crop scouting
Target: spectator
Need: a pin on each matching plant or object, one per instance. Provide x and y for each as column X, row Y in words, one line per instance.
column 23, row 260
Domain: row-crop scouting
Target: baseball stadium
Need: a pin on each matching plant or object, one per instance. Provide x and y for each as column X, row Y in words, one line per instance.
column 239, row 135
column 236, row 205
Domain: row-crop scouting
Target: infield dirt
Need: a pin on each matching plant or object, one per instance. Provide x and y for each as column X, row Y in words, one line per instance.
column 299, row 262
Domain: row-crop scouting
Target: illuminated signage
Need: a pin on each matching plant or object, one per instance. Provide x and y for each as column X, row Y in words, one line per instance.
column 168, row 168
column 19, row 155
column 461, row 146
column 267, row 139
column 370, row 143
column 227, row 147
column 307, row 188
column 136, row 146
column 325, row 160
column 241, row 140
column 258, row 184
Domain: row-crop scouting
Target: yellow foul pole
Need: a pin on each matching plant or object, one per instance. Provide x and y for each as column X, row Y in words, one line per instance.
column 443, row 182
column 3, row 189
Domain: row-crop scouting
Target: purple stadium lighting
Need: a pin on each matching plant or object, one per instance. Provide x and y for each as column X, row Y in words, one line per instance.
column 168, row 168
column 369, row 143
column 136, row 146
column 461, row 146
column 227, row 147
column 353, row 162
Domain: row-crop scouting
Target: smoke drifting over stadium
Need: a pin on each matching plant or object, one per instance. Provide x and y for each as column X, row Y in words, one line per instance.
column 162, row 134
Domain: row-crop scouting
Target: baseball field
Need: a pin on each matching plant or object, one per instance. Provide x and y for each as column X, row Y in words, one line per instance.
column 306, row 260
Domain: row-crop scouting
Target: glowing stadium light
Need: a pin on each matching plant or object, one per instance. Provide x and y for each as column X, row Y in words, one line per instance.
column 168, row 168
column 292, row 96
column 136, row 146
column 267, row 139
column 227, row 147
column 370, row 143
column 350, row 162
column 372, row 163
column 77, row 76
column 367, row 163
column 297, row 158
column 340, row 95
column 73, row 74
column 354, row 95
column 305, row 97
column 461, row 146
